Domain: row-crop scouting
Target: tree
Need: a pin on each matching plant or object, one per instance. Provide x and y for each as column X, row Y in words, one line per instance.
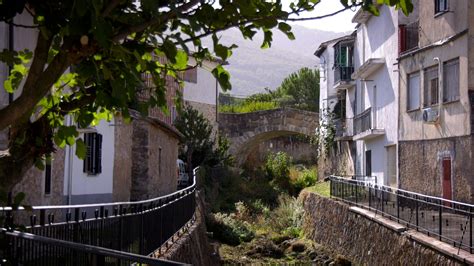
column 107, row 45
column 303, row 87
column 198, row 144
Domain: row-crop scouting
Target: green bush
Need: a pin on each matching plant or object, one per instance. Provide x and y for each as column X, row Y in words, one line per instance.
column 277, row 167
column 228, row 229
column 288, row 216
column 248, row 106
column 306, row 179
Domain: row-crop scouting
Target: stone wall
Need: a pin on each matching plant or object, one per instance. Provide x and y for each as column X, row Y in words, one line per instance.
column 338, row 161
column 123, row 160
column 208, row 111
column 420, row 166
column 193, row 247
column 301, row 151
column 246, row 131
column 33, row 182
column 154, row 155
column 365, row 241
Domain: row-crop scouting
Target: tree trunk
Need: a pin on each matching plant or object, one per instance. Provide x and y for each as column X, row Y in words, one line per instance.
column 28, row 143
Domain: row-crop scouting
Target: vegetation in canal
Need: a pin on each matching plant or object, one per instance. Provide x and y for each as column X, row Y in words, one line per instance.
column 256, row 216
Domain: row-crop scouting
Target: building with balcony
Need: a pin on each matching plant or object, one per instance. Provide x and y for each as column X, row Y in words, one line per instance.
column 366, row 85
column 436, row 64
column 336, row 69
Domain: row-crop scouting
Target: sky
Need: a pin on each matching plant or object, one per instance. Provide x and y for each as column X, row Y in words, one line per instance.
column 337, row 23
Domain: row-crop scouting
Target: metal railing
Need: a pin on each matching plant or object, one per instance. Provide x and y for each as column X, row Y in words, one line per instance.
column 50, row 251
column 448, row 220
column 363, row 121
column 138, row 227
column 343, row 73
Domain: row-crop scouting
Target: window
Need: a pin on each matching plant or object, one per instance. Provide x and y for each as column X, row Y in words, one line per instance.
column 47, row 175
column 368, row 163
column 413, row 94
column 441, row 6
column 190, row 75
column 93, row 160
column 431, row 86
column 451, row 81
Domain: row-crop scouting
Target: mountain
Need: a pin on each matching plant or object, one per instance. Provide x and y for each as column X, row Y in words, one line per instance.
column 253, row 69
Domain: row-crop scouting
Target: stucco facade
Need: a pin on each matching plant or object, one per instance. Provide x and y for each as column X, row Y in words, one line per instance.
column 436, row 155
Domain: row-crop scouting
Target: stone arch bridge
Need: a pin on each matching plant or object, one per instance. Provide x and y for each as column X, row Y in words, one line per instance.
column 245, row 131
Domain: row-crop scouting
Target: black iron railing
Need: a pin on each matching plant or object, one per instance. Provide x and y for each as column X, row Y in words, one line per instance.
column 134, row 227
column 51, row 252
column 363, row 121
column 343, row 73
column 449, row 221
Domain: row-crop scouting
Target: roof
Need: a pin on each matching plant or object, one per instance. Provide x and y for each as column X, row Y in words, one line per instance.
column 322, row 47
column 170, row 130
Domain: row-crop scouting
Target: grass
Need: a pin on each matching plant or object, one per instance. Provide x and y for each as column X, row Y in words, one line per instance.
column 321, row 188
column 248, row 107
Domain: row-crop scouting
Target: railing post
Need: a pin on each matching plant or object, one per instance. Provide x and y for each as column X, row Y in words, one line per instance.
column 120, row 227
column 330, row 188
column 370, row 196
column 416, row 211
column 470, row 230
column 142, row 241
column 440, row 218
column 383, row 193
column 357, row 190
column 398, row 206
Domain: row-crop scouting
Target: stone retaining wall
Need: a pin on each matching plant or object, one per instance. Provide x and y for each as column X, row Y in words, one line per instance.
column 193, row 247
column 364, row 240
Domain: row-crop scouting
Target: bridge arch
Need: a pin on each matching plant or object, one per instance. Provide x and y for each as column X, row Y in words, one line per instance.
column 245, row 131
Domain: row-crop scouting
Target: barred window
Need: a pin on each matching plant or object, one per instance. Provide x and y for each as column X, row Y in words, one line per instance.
column 451, row 80
column 93, row 161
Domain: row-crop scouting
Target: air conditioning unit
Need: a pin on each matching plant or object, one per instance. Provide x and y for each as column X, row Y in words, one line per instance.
column 430, row 115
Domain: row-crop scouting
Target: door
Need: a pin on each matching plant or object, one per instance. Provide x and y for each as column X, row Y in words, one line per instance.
column 368, row 163
column 392, row 166
column 447, row 186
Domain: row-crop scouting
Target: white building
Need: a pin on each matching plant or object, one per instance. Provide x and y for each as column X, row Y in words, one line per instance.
column 365, row 82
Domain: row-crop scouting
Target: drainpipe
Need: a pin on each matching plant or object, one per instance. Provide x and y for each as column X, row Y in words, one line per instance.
column 440, row 85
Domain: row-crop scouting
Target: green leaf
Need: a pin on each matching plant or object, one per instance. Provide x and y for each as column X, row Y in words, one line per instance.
column 80, row 148
column 223, row 77
column 19, row 197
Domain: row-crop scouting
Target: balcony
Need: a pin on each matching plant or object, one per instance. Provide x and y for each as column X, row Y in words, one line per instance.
column 342, row 77
column 364, row 126
column 408, row 37
column 344, row 129
column 368, row 68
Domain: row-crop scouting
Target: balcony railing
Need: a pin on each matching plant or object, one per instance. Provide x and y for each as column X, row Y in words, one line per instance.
column 408, row 36
column 363, row 121
column 139, row 227
column 447, row 220
column 343, row 73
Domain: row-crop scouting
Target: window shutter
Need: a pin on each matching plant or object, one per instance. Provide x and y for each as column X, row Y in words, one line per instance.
column 98, row 154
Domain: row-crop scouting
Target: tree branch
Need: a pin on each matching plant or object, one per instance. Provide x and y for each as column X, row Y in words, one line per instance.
column 159, row 20
column 21, row 108
column 325, row 16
